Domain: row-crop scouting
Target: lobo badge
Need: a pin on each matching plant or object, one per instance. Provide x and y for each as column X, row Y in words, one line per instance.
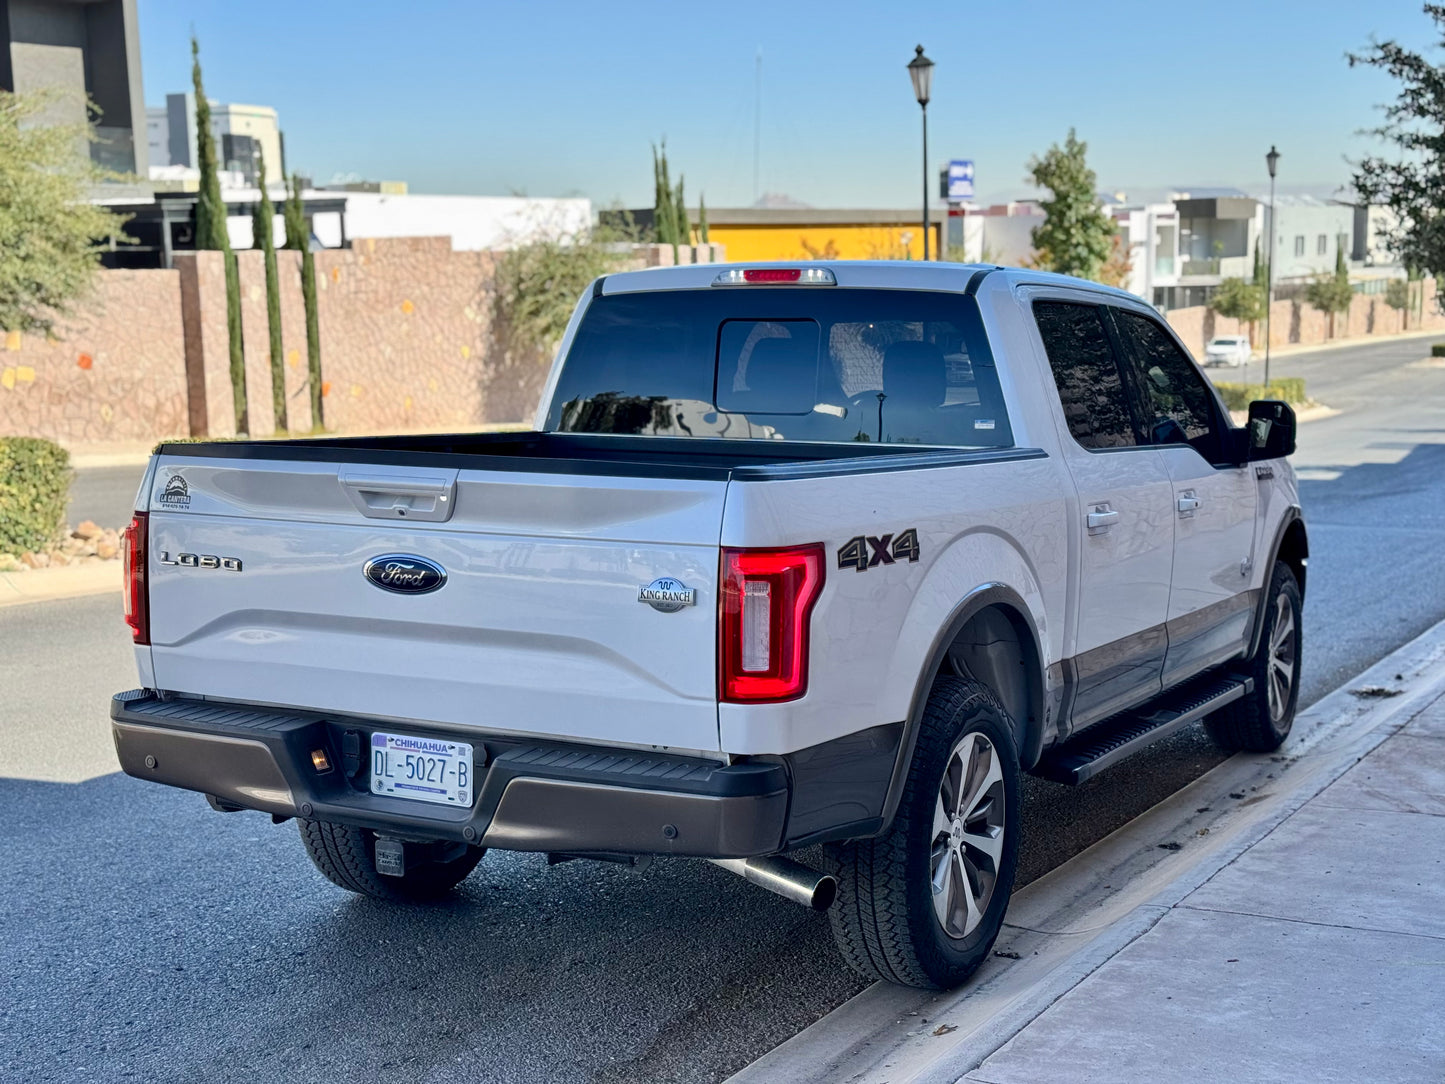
column 666, row 595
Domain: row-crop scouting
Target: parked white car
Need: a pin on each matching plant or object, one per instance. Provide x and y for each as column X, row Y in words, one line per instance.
column 796, row 555
column 1231, row 350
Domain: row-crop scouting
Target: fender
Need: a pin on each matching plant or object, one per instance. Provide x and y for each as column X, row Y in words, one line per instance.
column 1031, row 730
column 1292, row 514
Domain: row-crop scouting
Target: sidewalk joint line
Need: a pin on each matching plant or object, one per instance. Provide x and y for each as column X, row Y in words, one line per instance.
column 1309, row 922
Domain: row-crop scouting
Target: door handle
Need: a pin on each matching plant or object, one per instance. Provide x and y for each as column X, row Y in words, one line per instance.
column 1188, row 503
column 1102, row 518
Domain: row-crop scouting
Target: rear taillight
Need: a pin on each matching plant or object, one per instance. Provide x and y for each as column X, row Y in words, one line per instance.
column 133, row 569
column 766, row 600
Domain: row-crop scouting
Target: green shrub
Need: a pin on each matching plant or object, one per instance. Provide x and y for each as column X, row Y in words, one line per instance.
column 1290, row 389
column 1437, row 350
column 34, row 490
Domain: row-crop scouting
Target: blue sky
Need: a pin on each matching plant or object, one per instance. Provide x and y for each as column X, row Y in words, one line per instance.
column 563, row 98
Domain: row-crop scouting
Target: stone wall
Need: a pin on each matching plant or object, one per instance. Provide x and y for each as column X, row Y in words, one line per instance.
column 405, row 339
column 114, row 371
column 1295, row 323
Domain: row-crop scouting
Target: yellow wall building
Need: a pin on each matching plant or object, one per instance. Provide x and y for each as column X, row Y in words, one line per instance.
column 756, row 234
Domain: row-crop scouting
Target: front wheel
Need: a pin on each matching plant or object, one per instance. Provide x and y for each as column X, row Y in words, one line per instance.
column 1260, row 721
column 922, row 904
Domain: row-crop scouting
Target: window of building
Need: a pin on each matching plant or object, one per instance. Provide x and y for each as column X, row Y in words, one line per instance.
column 1322, row 244
column 1299, row 244
column 1086, row 374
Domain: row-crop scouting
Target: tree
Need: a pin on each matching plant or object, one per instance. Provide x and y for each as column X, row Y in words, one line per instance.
column 298, row 238
column 211, row 235
column 669, row 213
column 1410, row 184
column 1115, row 271
column 263, row 225
column 1333, row 293
column 1397, row 294
column 50, row 237
column 1076, row 236
column 701, row 221
column 1239, row 300
column 535, row 289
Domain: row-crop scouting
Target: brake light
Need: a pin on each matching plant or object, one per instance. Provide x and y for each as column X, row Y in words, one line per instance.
column 766, row 602
column 774, row 276
column 133, row 570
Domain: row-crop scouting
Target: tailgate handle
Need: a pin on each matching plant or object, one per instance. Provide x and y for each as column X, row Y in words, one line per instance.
column 425, row 497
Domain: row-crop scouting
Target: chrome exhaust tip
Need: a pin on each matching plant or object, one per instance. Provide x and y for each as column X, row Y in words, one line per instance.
column 789, row 879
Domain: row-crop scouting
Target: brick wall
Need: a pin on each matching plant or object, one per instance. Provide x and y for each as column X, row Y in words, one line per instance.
column 114, row 372
column 405, row 339
column 1296, row 323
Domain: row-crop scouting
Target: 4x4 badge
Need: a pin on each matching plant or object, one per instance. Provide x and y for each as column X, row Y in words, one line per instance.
column 666, row 595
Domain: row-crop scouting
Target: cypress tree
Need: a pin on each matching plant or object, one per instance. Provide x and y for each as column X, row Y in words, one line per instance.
column 683, row 230
column 262, row 227
column 298, row 236
column 664, row 216
column 211, row 235
column 701, row 221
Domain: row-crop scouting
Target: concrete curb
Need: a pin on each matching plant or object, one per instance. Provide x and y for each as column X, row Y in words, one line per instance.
column 39, row 585
column 1070, row 922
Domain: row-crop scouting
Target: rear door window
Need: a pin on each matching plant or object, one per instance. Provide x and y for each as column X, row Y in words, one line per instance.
column 1086, row 373
column 809, row 364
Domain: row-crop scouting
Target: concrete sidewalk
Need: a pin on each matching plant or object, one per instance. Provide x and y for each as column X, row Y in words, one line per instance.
column 1317, row 954
column 38, row 585
column 1281, row 918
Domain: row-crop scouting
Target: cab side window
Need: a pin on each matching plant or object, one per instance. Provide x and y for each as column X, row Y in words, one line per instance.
column 1086, row 374
column 1175, row 403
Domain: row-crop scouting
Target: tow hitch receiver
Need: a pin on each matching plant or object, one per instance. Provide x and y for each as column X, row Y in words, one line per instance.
column 390, row 857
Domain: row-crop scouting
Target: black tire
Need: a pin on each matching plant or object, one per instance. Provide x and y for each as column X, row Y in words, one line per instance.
column 884, row 919
column 346, row 856
column 1261, row 721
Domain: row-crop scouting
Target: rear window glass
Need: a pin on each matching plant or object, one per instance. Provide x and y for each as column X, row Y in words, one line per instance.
column 804, row 364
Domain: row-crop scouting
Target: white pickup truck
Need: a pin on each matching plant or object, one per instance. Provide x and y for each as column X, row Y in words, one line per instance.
column 822, row 554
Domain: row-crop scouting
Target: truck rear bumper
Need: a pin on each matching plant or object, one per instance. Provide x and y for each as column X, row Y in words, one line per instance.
column 531, row 796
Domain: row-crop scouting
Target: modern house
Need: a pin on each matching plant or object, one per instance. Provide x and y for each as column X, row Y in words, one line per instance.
column 85, row 50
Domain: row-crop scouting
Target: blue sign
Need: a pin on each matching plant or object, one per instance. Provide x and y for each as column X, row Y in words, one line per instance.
column 960, row 179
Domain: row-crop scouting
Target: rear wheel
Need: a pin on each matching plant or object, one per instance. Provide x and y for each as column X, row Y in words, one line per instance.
column 346, row 856
column 1261, row 721
column 922, row 905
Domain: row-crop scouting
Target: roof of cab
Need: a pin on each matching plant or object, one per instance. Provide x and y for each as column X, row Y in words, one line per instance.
column 874, row 274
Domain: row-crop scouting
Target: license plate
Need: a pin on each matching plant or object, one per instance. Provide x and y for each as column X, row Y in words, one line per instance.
column 422, row 769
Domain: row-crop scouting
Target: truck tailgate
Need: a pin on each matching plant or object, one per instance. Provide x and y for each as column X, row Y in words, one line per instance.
column 538, row 627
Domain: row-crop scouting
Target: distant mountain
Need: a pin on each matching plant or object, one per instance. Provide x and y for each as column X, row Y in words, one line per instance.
column 779, row 200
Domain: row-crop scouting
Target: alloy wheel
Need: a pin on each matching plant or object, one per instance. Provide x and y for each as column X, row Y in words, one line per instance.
column 968, row 835
column 1282, row 658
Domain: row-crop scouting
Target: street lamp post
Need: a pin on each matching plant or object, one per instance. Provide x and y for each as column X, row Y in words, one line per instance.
column 920, row 70
column 1271, row 160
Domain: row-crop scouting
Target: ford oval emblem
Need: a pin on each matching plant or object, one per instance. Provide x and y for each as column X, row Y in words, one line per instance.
column 405, row 573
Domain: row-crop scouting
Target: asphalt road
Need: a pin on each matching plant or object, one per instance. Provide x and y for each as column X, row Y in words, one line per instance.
column 104, row 495
column 146, row 938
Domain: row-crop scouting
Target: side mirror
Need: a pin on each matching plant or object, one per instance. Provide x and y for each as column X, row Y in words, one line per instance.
column 1271, row 429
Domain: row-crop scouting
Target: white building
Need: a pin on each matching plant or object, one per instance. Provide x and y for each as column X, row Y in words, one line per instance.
column 1309, row 233
column 242, row 134
column 472, row 222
